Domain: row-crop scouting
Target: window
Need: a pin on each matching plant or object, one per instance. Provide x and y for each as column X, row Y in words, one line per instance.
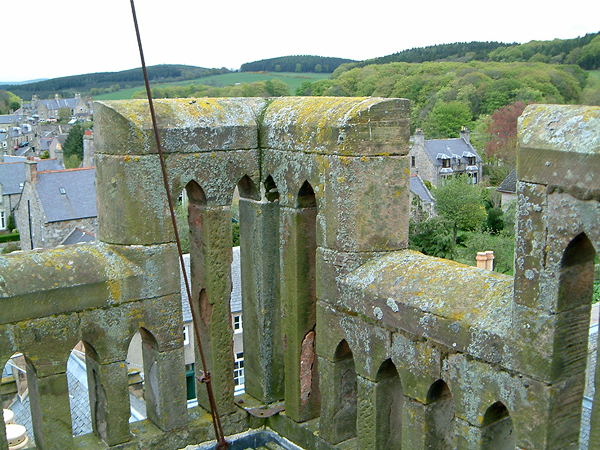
column 62, row 190
column 237, row 324
column 446, row 162
column 413, row 161
column 2, row 220
column 238, row 371
column 186, row 335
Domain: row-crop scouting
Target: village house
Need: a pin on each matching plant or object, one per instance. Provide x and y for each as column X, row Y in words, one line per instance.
column 45, row 110
column 435, row 159
column 12, row 180
column 53, row 203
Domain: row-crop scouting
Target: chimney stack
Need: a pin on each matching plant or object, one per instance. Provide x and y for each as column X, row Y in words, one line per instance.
column 31, row 170
column 419, row 137
column 88, row 149
column 465, row 134
column 485, row 260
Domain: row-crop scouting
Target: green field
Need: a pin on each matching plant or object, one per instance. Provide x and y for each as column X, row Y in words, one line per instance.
column 293, row 80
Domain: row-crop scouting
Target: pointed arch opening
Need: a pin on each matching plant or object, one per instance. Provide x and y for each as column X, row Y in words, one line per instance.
column 497, row 432
column 389, row 400
column 17, row 401
column 77, row 382
column 271, row 190
column 439, row 415
column 573, row 303
column 306, row 196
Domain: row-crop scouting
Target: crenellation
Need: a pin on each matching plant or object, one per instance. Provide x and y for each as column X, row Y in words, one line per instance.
column 365, row 342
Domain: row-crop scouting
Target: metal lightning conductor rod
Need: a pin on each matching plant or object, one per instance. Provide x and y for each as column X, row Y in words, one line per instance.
column 222, row 444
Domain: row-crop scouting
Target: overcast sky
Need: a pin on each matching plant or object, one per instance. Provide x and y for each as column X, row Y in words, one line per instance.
column 54, row 38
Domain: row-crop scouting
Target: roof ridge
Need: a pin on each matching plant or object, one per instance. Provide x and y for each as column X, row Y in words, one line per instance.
column 66, row 170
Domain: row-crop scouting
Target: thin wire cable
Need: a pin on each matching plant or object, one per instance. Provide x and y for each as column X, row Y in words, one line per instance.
column 222, row 444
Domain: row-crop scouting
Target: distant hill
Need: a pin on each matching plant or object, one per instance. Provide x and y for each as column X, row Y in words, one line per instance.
column 13, row 83
column 583, row 51
column 297, row 63
column 98, row 83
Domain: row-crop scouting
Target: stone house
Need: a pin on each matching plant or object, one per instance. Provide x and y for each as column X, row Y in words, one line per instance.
column 12, row 180
column 435, row 159
column 48, row 109
column 53, row 203
column 422, row 203
column 508, row 189
column 55, row 147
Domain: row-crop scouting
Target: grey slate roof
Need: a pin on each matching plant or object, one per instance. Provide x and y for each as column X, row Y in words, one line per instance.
column 236, row 280
column 78, row 200
column 78, row 236
column 7, row 119
column 509, row 184
column 70, row 103
column 417, row 187
column 438, row 148
column 12, row 174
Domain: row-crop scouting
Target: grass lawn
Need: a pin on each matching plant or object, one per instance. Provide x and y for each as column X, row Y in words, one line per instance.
column 293, row 80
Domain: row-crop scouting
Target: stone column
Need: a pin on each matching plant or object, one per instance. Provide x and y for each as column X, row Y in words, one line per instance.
column 263, row 352
column 50, row 410
column 210, row 262
column 109, row 400
column 164, row 387
column 302, row 397
column 414, row 425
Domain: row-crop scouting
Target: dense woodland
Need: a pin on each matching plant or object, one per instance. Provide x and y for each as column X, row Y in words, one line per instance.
column 297, row 63
column 464, row 90
column 583, row 51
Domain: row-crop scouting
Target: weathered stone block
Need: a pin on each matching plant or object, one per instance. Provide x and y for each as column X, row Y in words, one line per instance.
column 332, row 267
column 48, row 341
column 419, row 364
column 560, row 145
column 336, row 125
column 217, row 173
column 188, row 126
column 132, row 210
column 360, row 212
column 370, row 344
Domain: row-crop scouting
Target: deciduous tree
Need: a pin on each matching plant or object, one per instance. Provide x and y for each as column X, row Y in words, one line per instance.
column 460, row 202
column 502, row 129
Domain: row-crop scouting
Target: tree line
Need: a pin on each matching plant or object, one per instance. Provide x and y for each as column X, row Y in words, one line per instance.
column 296, row 63
column 583, row 51
column 67, row 87
column 269, row 88
column 465, row 91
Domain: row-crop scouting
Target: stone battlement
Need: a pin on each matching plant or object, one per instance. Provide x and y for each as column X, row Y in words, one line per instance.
column 366, row 344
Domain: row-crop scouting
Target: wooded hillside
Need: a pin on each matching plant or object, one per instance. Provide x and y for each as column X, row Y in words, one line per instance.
column 298, row 63
column 97, row 83
column 472, row 89
column 583, row 51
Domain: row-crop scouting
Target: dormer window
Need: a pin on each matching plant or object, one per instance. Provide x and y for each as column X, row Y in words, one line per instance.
column 446, row 163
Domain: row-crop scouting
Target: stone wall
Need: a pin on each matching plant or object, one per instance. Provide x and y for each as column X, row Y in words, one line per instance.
column 362, row 341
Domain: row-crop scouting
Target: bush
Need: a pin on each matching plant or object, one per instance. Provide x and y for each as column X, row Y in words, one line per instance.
column 9, row 237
